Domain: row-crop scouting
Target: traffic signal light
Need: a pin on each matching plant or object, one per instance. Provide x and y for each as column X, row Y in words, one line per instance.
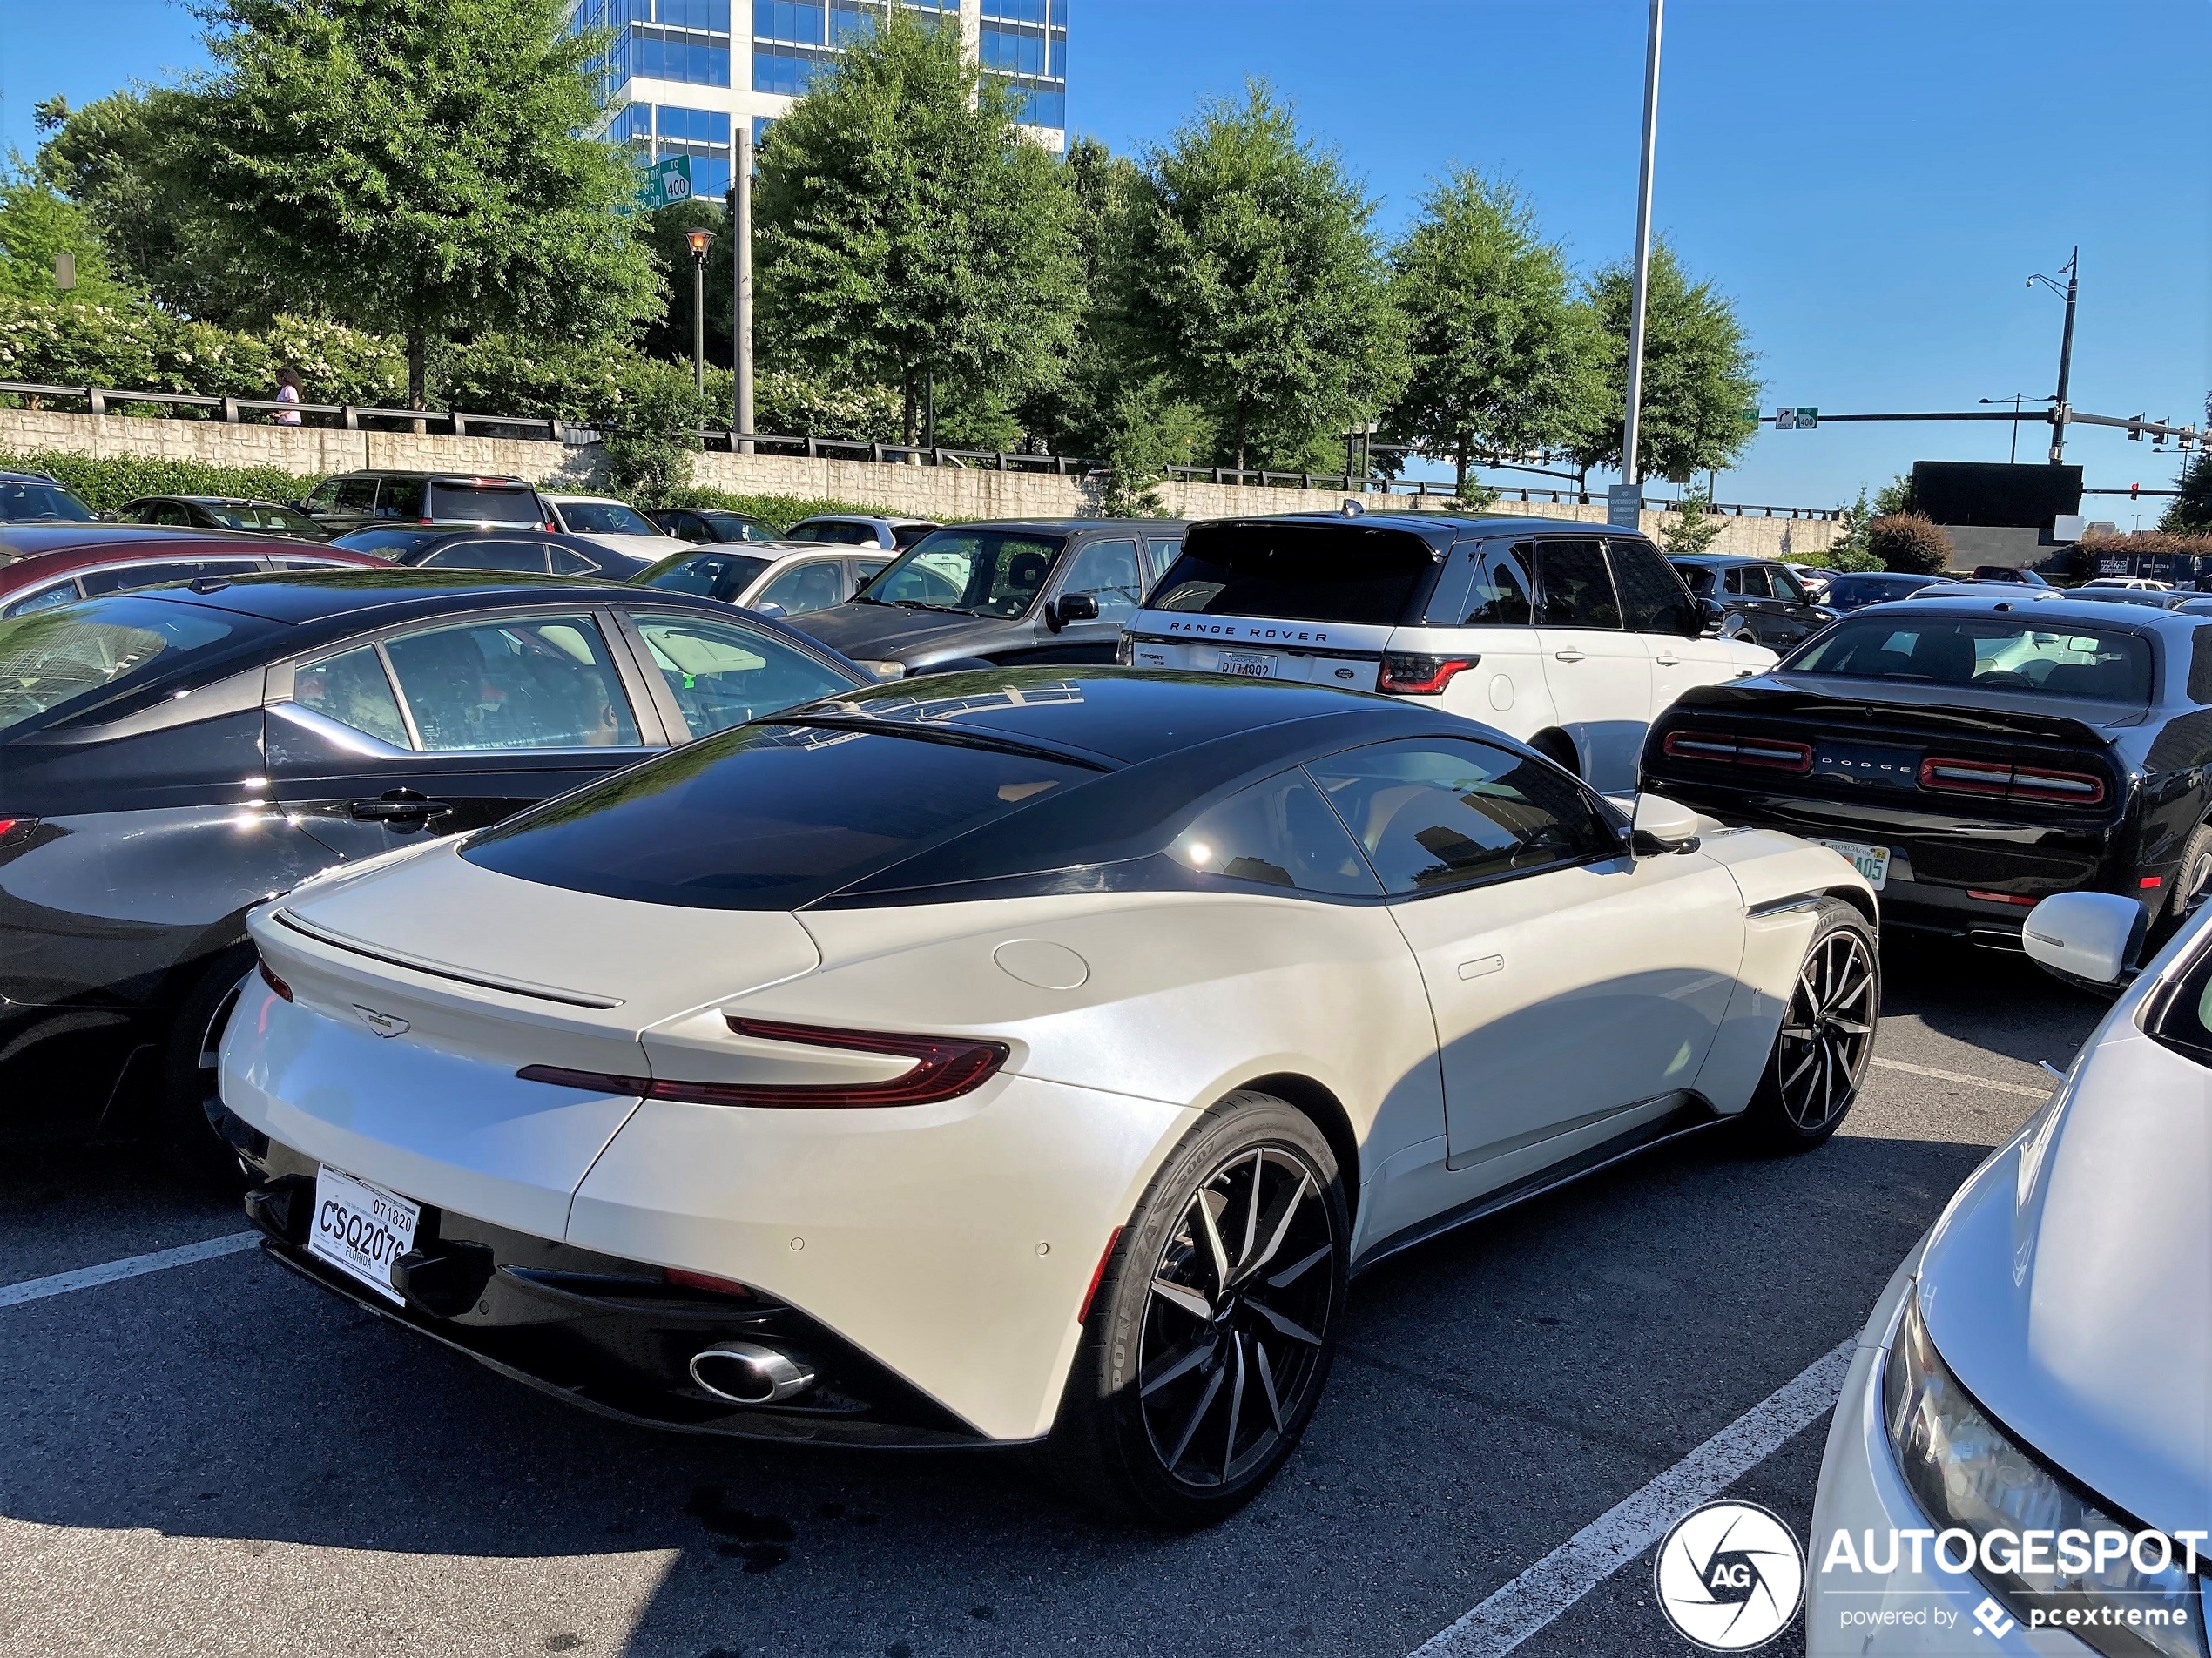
column 2134, row 432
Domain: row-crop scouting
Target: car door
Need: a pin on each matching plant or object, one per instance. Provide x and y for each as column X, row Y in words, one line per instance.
column 1570, row 980
column 1799, row 616
column 807, row 584
column 1110, row 572
column 1598, row 673
column 1656, row 605
column 452, row 725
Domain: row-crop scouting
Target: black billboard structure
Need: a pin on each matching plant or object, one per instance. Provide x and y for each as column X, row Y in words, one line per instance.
column 1983, row 494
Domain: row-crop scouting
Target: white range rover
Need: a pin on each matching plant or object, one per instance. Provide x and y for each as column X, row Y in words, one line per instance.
column 1568, row 635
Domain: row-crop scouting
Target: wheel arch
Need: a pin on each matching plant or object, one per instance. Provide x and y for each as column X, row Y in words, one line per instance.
column 1552, row 743
column 1327, row 1113
column 1861, row 901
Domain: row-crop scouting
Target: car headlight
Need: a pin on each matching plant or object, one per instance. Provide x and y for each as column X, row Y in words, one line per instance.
column 2050, row 1553
column 883, row 669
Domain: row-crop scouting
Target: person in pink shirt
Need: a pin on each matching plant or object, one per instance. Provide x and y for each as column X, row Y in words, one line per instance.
column 288, row 392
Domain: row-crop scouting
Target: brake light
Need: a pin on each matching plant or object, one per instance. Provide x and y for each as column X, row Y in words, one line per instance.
column 2002, row 898
column 2000, row 780
column 1408, row 675
column 15, row 828
column 706, row 1281
column 1723, row 748
column 945, row 1068
column 275, row 983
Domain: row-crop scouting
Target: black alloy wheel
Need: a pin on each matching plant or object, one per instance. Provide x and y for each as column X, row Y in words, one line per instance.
column 1826, row 1042
column 1229, row 1349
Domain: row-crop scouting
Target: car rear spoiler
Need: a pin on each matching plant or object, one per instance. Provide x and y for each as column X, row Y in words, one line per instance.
column 1846, row 711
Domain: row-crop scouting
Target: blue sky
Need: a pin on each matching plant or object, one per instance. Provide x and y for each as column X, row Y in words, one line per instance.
column 1871, row 181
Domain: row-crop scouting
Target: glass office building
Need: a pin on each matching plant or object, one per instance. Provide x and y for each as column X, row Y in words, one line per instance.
column 677, row 74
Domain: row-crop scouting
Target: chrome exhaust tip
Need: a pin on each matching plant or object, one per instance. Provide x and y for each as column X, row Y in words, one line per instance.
column 745, row 1373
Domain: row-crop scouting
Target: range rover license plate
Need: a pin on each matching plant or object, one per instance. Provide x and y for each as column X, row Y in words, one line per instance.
column 360, row 1229
column 1248, row 667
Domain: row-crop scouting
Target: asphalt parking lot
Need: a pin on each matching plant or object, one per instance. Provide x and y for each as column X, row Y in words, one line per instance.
column 219, row 1459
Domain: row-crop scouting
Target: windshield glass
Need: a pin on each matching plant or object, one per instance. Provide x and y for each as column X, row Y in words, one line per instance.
column 264, row 518
column 1984, row 653
column 980, row 572
column 1305, row 572
column 30, row 502
column 715, row 575
column 483, row 504
column 74, row 654
column 604, row 518
column 764, row 817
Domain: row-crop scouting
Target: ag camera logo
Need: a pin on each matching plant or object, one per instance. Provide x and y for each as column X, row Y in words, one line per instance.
column 1730, row 1576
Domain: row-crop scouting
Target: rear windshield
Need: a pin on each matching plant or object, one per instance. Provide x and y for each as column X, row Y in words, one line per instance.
column 484, row 503
column 766, row 816
column 604, row 518
column 715, row 575
column 1979, row 653
column 1301, row 572
column 42, row 502
column 84, row 653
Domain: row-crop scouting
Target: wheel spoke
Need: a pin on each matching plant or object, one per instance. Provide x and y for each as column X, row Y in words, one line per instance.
column 1252, row 1211
column 1850, row 1026
column 1812, row 1053
column 1267, row 1386
column 1214, row 1245
column 1290, row 1274
column 1179, row 1294
column 1278, row 1227
column 1296, row 1332
column 1194, row 1356
column 1236, row 1407
column 1198, row 1415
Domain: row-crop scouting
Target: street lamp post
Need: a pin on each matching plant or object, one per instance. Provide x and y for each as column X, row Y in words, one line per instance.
column 1630, row 471
column 2072, row 294
column 741, row 315
column 699, row 240
column 2013, row 458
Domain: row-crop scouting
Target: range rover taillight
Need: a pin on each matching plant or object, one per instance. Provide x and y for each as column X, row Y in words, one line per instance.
column 1408, row 675
column 1724, row 748
column 2001, row 780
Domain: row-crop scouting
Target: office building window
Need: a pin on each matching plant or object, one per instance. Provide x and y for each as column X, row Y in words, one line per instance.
column 783, row 69
column 849, row 22
column 1015, row 10
column 1011, row 51
column 711, row 15
column 795, row 22
column 1059, row 67
column 678, row 60
column 1040, row 107
column 710, row 177
column 693, row 126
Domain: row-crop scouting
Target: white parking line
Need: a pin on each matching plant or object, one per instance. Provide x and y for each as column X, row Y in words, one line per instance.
column 130, row 1266
column 1540, row 1594
column 1961, row 1076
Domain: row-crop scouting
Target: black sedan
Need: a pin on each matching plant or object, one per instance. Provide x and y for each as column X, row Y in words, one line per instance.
column 1849, row 591
column 170, row 757
column 1971, row 755
column 224, row 512
column 1758, row 599
column 517, row 552
column 705, row 525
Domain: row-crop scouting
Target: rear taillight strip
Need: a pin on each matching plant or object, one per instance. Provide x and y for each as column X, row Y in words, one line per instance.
column 945, row 1068
column 1724, row 748
column 2000, row 780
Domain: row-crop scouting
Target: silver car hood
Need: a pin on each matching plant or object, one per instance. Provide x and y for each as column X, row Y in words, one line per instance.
column 2069, row 1283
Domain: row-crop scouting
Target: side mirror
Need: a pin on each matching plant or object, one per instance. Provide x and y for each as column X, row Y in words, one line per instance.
column 1689, row 619
column 1710, row 613
column 2090, row 936
column 1662, row 826
column 1078, row 607
column 772, row 611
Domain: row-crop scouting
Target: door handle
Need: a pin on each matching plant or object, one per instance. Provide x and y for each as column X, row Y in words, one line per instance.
column 400, row 805
column 1568, row 656
column 1668, row 661
column 1482, row 966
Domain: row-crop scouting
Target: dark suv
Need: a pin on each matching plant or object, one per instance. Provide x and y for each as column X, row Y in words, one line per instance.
column 1758, row 599
column 352, row 499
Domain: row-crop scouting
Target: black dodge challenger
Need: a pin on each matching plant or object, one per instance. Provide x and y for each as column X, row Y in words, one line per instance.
column 1971, row 755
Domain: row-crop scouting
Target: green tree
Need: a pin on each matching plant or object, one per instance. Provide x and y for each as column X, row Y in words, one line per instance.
column 2190, row 514
column 1894, row 498
column 415, row 166
column 1692, row 528
column 1502, row 359
column 1850, row 550
column 37, row 224
column 1255, row 286
column 1699, row 373
column 907, row 231
column 654, row 430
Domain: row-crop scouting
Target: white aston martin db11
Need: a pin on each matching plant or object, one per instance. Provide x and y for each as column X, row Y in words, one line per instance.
column 1013, row 1056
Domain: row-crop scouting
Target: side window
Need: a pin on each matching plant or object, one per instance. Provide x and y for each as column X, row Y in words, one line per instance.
column 690, row 526
column 1280, row 833
column 545, row 682
column 323, row 497
column 527, row 556
column 1751, row 581
column 814, row 585
column 355, row 495
column 1108, row 571
column 1575, row 589
column 1164, row 553
column 1499, row 596
column 164, row 512
column 65, row 593
column 1652, row 596
column 96, row 582
column 567, row 562
column 867, row 570
column 2200, row 680
column 1433, row 815
column 352, row 688
column 1786, row 585
column 400, row 498
column 722, row 674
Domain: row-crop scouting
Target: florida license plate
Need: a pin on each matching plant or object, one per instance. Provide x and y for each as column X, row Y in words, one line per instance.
column 1873, row 862
column 1248, row 667
column 361, row 1229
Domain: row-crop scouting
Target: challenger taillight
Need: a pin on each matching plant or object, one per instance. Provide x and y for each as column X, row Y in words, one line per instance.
column 1721, row 748
column 1405, row 674
column 275, row 983
column 945, row 1067
column 2001, row 780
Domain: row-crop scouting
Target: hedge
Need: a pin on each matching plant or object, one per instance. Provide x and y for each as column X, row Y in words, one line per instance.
column 106, row 481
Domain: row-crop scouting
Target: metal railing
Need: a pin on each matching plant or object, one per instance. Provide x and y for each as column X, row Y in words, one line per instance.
column 354, row 417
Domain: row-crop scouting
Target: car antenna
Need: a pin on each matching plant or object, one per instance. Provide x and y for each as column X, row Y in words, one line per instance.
column 1351, row 508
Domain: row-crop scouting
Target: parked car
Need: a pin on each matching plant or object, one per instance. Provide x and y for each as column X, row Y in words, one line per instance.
column 524, row 552
column 853, row 530
column 613, row 524
column 43, row 567
column 1568, row 638
column 1813, row 579
column 776, row 578
column 1850, row 590
column 1758, row 599
column 1971, row 755
column 224, row 512
column 2141, row 582
column 35, row 498
column 2031, row 1390
column 2015, row 593
column 1016, row 591
column 1096, row 994
column 168, row 758
column 706, row 525
column 354, row 499
column 2151, row 596
column 2009, row 573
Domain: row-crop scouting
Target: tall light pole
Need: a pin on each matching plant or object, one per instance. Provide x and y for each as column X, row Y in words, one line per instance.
column 741, row 262
column 699, row 239
column 2072, row 291
column 2016, row 399
column 1631, row 471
